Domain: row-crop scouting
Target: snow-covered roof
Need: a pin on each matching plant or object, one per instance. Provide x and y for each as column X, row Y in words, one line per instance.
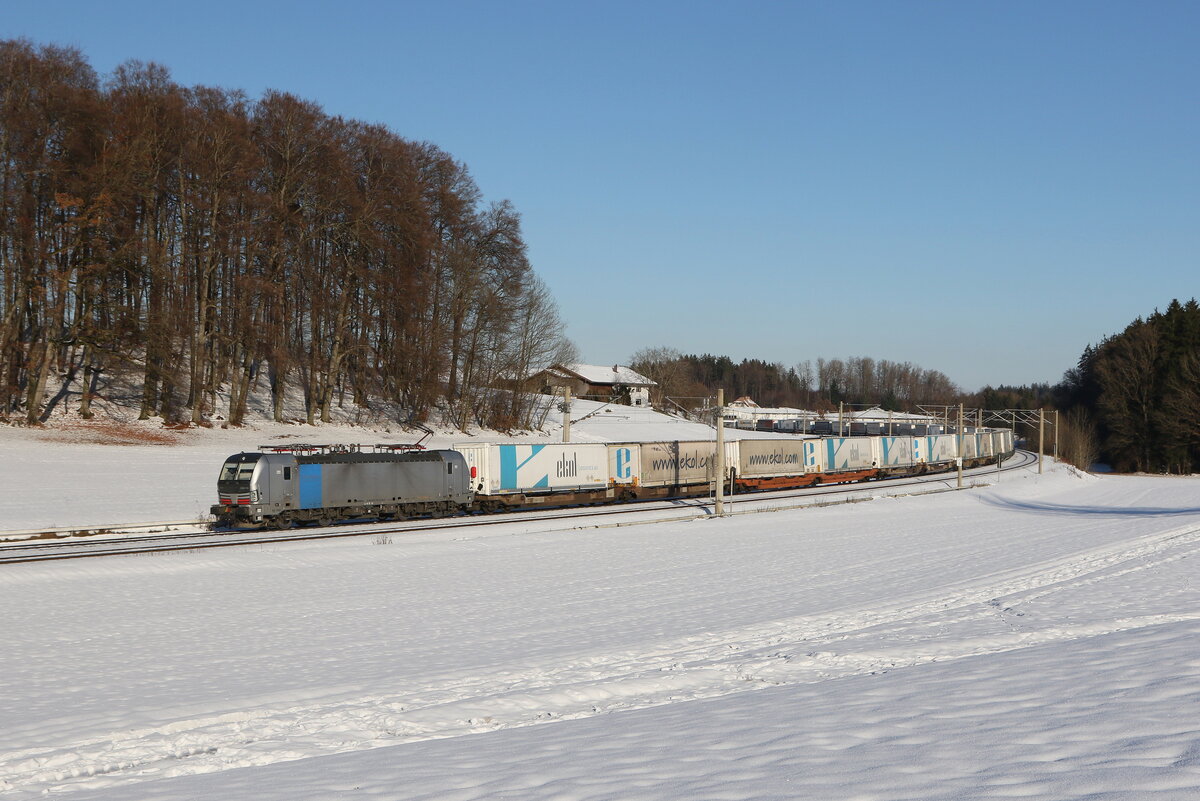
column 757, row 412
column 876, row 413
column 766, row 411
column 605, row 374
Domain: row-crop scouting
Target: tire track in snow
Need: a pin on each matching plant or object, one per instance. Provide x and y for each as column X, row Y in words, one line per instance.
column 795, row 650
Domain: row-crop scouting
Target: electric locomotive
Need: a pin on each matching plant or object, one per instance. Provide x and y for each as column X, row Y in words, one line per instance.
column 322, row 484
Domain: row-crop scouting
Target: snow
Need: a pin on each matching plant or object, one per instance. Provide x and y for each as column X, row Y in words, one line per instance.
column 1034, row 638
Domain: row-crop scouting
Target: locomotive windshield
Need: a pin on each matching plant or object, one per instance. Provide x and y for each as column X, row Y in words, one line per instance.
column 236, row 473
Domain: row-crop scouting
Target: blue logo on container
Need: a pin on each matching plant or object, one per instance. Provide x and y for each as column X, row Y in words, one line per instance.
column 623, row 468
column 810, row 455
column 509, row 466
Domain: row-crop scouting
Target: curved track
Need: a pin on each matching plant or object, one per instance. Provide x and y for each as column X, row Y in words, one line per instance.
column 631, row 513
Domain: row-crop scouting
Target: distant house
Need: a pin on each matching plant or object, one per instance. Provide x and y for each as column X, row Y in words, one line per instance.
column 590, row 380
column 744, row 412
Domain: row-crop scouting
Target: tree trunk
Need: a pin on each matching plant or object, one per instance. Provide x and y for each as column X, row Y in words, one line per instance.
column 39, row 372
column 91, row 377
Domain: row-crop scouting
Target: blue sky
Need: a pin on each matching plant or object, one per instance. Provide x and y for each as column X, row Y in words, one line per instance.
column 981, row 188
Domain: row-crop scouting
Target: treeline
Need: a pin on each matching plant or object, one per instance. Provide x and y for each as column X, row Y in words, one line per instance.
column 819, row 387
column 1141, row 391
column 207, row 242
column 1133, row 401
column 1030, row 396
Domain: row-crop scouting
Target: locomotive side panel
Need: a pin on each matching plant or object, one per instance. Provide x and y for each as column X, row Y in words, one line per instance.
column 432, row 476
column 311, row 495
column 419, row 481
column 457, row 478
column 344, row 484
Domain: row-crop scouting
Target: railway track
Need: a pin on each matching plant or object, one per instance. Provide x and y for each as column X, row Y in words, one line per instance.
column 590, row 517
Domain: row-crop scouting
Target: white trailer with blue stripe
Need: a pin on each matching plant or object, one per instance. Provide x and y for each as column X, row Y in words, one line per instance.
column 845, row 454
column 514, row 475
column 939, row 449
column 896, row 454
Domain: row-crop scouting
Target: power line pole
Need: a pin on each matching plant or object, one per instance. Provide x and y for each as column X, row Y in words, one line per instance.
column 1041, row 439
column 720, row 494
column 961, row 440
column 1056, row 435
column 566, row 410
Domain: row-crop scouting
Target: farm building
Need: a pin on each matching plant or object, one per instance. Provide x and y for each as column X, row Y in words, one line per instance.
column 594, row 381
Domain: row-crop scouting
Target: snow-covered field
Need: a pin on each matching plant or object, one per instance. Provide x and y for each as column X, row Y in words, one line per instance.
column 1037, row 638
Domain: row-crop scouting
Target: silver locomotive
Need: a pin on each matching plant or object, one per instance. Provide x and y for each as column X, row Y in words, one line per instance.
column 322, row 484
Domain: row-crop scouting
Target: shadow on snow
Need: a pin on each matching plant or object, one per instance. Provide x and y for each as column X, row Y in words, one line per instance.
column 1104, row 511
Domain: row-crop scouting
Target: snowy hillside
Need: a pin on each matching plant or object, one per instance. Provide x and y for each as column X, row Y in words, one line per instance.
column 1035, row 639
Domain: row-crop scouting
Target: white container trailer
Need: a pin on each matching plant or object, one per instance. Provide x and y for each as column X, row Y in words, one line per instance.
column 849, row 453
column 767, row 458
column 895, row 452
column 503, row 469
column 681, row 464
column 938, row 448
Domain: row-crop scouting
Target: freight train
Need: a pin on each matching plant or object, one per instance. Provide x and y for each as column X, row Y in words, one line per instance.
column 281, row 486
